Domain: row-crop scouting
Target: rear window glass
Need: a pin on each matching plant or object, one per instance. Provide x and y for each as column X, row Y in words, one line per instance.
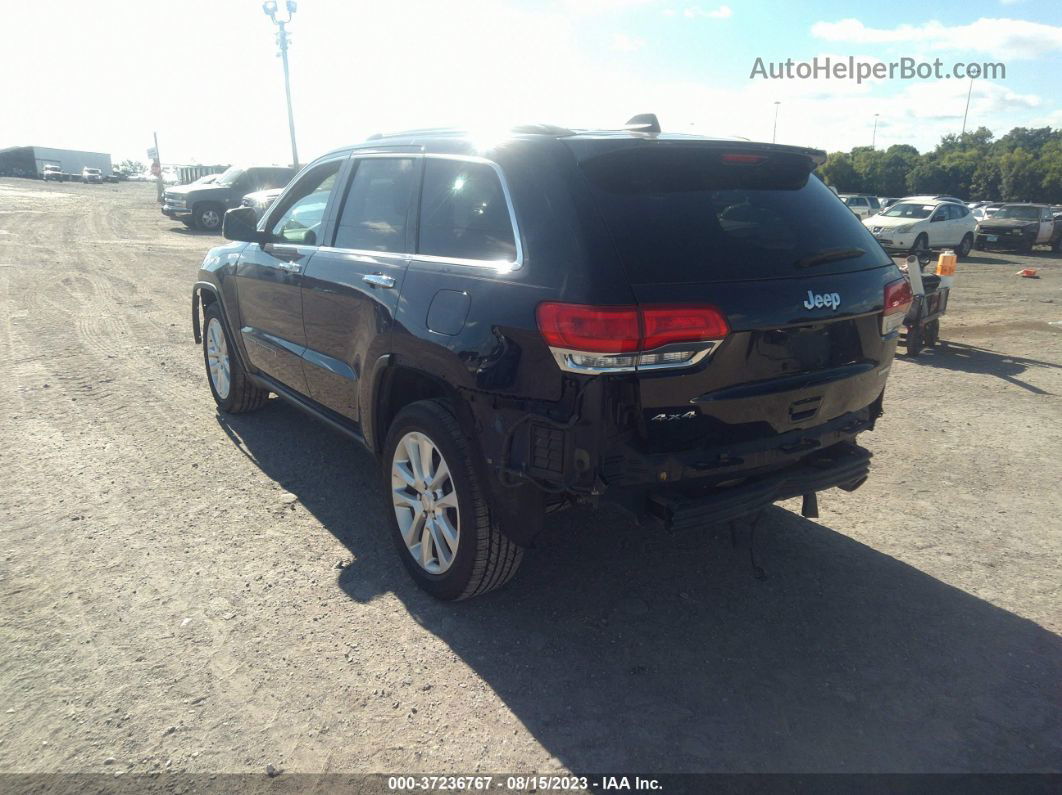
column 682, row 215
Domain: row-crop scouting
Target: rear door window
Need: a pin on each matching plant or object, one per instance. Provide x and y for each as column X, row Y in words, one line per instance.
column 464, row 213
column 682, row 214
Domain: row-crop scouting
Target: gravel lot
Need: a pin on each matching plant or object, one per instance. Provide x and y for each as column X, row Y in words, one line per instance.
column 187, row 591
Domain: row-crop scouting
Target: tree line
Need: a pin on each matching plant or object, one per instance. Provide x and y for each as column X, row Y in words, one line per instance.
column 1023, row 165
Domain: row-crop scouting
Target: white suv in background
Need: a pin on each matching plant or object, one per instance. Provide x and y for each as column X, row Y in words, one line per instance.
column 862, row 205
column 920, row 225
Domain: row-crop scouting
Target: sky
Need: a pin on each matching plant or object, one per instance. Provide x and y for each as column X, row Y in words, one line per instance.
column 103, row 75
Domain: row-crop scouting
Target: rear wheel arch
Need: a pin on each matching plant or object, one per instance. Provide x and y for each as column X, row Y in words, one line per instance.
column 397, row 386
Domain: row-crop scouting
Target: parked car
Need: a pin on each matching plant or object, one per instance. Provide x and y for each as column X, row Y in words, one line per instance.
column 93, row 175
column 688, row 328
column 933, row 198
column 52, row 173
column 862, row 205
column 919, row 225
column 1019, row 227
column 261, row 200
column 204, row 205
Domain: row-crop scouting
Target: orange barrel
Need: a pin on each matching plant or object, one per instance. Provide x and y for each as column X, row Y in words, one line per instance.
column 946, row 263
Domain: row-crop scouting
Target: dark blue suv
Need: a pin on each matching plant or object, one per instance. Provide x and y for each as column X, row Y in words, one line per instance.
column 687, row 327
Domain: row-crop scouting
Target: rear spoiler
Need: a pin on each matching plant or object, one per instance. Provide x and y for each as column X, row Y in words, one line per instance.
column 584, row 150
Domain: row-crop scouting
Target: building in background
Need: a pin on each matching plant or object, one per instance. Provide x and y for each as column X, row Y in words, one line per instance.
column 29, row 161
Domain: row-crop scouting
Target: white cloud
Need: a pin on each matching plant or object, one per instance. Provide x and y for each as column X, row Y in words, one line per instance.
column 625, row 43
column 1010, row 2
column 602, row 6
column 723, row 12
column 1000, row 38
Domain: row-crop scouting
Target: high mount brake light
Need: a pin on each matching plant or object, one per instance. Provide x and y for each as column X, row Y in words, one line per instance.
column 628, row 338
column 898, row 299
column 742, row 158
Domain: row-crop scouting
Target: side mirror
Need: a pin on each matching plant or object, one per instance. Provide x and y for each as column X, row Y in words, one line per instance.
column 241, row 223
column 936, row 218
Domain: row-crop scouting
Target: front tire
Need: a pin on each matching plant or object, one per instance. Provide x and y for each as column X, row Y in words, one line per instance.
column 921, row 249
column 442, row 524
column 208, row 217
column 964, row 247
column 232, row 390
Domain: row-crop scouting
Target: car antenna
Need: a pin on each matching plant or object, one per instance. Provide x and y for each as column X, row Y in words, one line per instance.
column 643, row 122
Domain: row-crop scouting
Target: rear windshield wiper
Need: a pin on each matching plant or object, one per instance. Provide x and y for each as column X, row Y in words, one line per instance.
column 829, row 255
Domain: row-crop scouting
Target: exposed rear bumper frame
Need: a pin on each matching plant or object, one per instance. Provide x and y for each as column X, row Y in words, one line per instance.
column 844, row 465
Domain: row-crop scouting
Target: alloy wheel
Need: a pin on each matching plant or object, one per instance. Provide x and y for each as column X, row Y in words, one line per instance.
column 217, row 351
column 425, row 502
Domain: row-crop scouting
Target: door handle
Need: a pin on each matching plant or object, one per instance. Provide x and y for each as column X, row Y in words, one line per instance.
column 378, row 280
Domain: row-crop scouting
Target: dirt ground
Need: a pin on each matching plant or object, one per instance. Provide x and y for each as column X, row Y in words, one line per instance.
column 185, row 591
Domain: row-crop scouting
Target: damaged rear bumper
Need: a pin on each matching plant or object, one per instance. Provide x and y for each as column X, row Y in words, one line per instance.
column 844, row 465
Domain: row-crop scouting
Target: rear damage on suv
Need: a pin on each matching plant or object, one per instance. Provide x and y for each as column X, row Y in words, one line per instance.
column 756, row 347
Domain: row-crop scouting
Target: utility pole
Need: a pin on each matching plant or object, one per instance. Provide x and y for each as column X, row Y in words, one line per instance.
column 158, row 180
column 874, row 136
column 774, row 134
column 965, row 112
column 270, row 9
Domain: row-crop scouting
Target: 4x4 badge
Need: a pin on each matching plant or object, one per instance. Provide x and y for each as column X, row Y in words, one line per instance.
column 689, row 415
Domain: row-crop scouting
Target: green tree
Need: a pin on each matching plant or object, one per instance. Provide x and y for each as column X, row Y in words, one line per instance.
column 1025, row 164
column 132, row 167
column 1020, row 178
column 838, row 172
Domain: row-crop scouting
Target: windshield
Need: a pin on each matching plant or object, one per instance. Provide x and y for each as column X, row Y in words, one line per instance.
column 92, row 171
column 683, row 214
column 229, row 176
column 908, row 210
column 1022, row 213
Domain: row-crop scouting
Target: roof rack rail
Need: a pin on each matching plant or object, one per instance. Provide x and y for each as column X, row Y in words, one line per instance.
column 533, row 128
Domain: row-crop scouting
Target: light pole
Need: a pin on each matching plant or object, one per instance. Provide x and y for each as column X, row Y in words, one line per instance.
column 774, row 134
column 874, row 136
column 270, row 9
column 965, row 112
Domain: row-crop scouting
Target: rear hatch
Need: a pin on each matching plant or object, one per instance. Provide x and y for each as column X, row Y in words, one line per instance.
column 746, row 229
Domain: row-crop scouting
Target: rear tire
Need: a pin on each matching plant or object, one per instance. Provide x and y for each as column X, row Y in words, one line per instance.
column 914, row 341
column 232, row 390
column 441, row 522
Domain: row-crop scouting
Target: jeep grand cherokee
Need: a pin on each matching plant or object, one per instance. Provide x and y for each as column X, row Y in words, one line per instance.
column 690, row 328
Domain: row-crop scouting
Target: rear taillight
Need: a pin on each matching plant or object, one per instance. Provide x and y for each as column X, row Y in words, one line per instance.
column 898, row 298
column 628, row 338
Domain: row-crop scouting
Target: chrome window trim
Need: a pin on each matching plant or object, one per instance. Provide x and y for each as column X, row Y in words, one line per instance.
column 364, row 253
column 499, row 266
